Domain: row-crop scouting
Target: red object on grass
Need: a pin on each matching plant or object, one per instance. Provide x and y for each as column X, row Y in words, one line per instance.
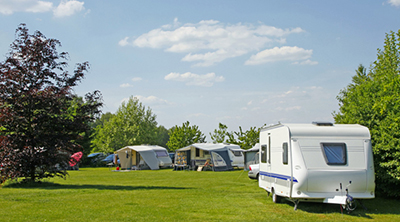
column 117, row 168
column 75, row 158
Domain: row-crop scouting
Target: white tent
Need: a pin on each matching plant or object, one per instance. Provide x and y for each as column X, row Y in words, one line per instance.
column 143, row 157
column 196, row 155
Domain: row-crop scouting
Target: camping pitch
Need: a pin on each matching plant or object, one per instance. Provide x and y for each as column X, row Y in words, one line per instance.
column 143, row 157
column 197, row 155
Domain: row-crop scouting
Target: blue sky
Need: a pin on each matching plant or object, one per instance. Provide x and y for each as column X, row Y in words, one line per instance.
column 240, row 63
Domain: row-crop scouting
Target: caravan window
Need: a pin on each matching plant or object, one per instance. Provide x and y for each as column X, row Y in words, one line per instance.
column 237, row 153
column 263, row 153
column 285, row 153
column 161, row 153
column 335, row 153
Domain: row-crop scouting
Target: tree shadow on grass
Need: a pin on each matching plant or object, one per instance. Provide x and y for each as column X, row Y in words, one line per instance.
column 55, row 186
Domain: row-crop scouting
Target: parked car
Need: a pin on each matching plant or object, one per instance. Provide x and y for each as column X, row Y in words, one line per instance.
column 254, row 171
column 109, row 159
column 96, row 155
column 93, row 159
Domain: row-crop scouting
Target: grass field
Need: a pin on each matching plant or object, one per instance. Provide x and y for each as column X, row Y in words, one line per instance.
column 98, row 194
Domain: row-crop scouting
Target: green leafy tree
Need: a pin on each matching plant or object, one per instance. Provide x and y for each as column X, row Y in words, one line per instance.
column 105, row 117
column 90, row 136
column 245, row 140
column 85, row 139
column 41, row 121
column 181, row 136
column 162, row 136
column 219, row 134
column 132, row 124
column 373, row 100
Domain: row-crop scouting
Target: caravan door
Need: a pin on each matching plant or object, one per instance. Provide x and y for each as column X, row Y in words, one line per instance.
column 275, row 161
column 265, row 162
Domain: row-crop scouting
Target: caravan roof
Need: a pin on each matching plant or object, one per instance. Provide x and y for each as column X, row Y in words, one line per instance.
column 207, row 146
column 142, row 148
column 255, row 148
column 334, row 130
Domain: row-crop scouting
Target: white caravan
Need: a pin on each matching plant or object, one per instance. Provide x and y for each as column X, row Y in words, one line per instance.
column 144, row 157
column 321, row 162
column 236, row 155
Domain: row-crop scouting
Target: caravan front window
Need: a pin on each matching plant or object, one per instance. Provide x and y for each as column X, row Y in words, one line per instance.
column 161, row 153
column 335, row 153
column 237, row 153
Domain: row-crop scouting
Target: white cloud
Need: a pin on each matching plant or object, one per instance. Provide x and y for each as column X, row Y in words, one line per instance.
column 196, row 115
column 8, row 7
column 67, row 8
column 136, row 79
column 206, row 80
column 287, row 93
column 285, row 53
column 124, row 42
column 41, row 6
column 277, row 32
column 293, row 108
column 152, row 100
column 315, row 88
column 291, row 102
column 125, row 85
column 210, row 41
column 306, row 62
column 394, row 3
column 87, row 12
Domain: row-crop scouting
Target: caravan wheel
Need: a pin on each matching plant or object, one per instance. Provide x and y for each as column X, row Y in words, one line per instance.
column 275, row 198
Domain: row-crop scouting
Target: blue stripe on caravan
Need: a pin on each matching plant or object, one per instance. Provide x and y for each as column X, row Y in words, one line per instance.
column 278, row 176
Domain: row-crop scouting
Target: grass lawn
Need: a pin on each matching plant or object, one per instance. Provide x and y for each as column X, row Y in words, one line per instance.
column 98, row 194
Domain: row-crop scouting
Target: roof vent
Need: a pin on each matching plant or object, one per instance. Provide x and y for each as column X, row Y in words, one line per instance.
column 322, row 123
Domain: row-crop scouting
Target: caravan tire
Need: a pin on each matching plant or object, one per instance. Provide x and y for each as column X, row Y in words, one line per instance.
column 275, row 198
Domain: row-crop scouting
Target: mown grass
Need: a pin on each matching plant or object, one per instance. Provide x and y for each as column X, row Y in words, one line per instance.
column 98, row 194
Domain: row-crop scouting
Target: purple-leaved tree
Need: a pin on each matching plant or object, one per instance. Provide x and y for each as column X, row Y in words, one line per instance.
column 41, row 119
